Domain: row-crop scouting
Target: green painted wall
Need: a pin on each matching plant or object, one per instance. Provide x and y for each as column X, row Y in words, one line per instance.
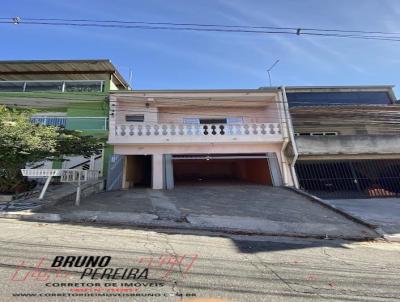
column 90, row 125
column 108, row 152
column 74, row 105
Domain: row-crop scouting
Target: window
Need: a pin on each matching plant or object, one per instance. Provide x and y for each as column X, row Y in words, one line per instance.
column 84, row 86
column 49, row 85
column 213, row 121
column 337, row 98
column 191, row 120
column 228, row 120
column 138, row 118
column 361, row 131
column 234, row 120
column 331, row 133
column 11, row 86
column 43, row 86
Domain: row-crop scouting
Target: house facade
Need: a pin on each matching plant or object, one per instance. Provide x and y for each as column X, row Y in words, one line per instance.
column 68, row 93
column 162, row 139
column 347, row 139
column 330, row 141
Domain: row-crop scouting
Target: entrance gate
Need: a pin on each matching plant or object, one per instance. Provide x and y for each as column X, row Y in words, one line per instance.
column 350, row 178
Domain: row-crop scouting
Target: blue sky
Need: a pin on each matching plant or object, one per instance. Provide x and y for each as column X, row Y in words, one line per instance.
column 185, row 60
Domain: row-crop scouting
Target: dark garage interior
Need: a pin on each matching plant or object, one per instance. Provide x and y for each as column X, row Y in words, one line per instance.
column 249, row 170
column 138, row 171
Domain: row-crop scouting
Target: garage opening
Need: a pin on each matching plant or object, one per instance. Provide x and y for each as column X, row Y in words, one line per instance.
column 222, row 170
column 138, row 171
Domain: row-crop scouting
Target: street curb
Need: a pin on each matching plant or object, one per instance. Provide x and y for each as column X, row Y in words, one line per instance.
column 322, row 202
column 27, row 215
column 165, row 225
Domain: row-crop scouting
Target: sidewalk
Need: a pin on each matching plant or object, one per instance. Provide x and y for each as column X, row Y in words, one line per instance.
column 383, row 213
column 248, row 209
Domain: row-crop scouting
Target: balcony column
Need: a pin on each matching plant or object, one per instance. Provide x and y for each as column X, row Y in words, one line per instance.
column 157, row 171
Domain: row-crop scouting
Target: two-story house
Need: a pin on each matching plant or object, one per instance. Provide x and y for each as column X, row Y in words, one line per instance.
column 163, row 139
column 68, row 93
column 348, row 140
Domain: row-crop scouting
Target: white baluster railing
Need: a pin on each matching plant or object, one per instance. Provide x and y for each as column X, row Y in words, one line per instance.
column 152, row 132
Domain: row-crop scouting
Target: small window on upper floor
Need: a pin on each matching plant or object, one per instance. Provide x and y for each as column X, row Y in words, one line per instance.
column 11, row 86
column 138, row 118
column 361, row 131
column 84, row 86
column 213, row 121
column 42, row 86
column 326, row 133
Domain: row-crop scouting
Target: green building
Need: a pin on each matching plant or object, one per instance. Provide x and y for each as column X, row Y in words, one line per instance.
column 69, row 93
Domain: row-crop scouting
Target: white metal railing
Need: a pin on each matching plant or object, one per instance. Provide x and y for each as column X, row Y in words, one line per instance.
column 85, row 122
column 193, row 130
column 67, row 175
column 52, row 85
column 79, row 175
column 199, row 132
column 41, row 172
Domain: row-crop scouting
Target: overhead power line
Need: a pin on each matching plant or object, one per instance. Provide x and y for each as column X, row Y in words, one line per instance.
column 223, row 28
column 208, row 25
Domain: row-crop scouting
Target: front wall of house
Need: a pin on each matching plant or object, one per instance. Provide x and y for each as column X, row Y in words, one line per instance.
column 175, row 109
column 200, row 149
column 248, row 115
column 262, row 114
column 132, row 149
column 157, row 151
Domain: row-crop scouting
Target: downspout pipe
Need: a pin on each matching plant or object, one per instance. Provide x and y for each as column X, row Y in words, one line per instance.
column 285, row 138
column 291, row 135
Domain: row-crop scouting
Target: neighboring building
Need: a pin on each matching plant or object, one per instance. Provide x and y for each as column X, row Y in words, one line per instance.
column 348, row 140
column 165, row 138
column 69, row 93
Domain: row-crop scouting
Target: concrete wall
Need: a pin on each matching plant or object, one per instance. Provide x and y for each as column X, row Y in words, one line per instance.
column 348, row 144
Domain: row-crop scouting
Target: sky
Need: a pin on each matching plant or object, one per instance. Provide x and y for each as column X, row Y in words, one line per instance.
column 209, row 60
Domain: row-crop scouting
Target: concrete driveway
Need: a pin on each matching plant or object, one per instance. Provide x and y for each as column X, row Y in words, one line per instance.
column 242, row 208
column 381, row 212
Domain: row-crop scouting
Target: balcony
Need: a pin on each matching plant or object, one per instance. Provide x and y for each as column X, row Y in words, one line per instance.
column 73, row 123
column 153, row 133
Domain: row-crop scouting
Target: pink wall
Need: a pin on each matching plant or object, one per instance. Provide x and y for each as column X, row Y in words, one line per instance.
column 196, row 148
column 249, row 115
column 176, row 114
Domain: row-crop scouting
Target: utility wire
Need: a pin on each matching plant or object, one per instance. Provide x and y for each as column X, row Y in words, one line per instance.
column 210, row 25
column 383, row 36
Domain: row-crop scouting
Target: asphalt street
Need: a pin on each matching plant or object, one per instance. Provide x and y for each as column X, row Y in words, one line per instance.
column 182, row 265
